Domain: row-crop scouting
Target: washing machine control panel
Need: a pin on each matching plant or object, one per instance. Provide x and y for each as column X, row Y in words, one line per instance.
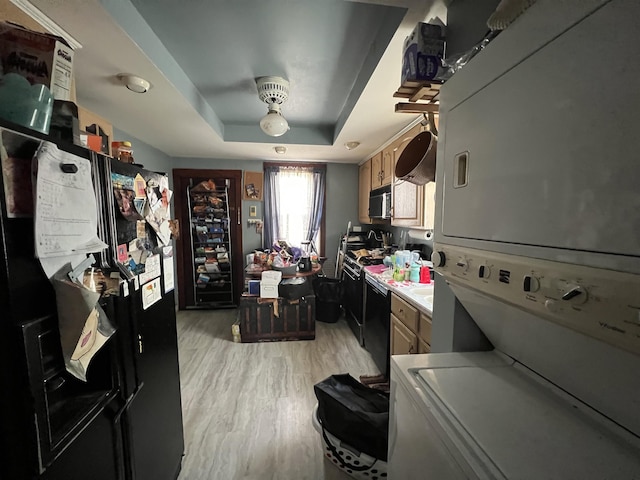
column 601, row 303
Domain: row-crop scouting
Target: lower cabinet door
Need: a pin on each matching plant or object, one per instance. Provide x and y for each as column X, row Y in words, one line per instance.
column 423, row 347
column 424, row 328
column 403, row 340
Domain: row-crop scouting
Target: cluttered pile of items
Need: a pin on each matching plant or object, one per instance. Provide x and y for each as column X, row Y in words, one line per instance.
column 285, row 296
column 284, row 258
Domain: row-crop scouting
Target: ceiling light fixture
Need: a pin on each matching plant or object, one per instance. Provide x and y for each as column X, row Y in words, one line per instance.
column 134, row 83
column 280, row 149
column 274, row 91
column 351, row 145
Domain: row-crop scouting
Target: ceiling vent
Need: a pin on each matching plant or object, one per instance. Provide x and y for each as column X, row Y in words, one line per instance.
column 273, row 91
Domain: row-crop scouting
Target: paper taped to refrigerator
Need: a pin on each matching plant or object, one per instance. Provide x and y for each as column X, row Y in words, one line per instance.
column 84, row 327
column 151, row 268
column 66, row 220
column 151, row 293
column 167, row 268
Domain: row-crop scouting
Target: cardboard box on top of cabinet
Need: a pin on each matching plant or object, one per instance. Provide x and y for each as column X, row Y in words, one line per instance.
column 39, row 57
column 269, row 283
column 94, row 124
column 423, row 53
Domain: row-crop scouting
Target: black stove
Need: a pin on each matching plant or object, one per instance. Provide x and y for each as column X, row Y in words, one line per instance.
column 353, row 286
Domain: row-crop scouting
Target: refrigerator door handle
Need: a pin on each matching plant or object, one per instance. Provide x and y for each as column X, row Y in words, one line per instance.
column 102, row 221
column 111, row 217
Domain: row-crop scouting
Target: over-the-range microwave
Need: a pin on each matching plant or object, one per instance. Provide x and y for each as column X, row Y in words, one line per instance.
column 380, row 203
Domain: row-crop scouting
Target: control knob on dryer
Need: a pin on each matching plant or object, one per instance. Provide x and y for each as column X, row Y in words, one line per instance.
column 531, row 283
column 575, row 294
column 438, row 258
column 484, row 271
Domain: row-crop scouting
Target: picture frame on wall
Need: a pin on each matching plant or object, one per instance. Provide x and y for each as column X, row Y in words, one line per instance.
column 253, row 186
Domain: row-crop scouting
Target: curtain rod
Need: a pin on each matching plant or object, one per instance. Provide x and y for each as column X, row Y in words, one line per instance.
column 298, row 165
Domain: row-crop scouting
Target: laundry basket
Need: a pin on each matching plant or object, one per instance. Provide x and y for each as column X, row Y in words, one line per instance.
column 344, row 462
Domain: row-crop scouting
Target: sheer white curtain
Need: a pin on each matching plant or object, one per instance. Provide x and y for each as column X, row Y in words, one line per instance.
column 294, row 204
column 295, row 197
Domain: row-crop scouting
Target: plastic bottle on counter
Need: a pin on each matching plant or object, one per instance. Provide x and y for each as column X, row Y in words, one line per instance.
column 414, row 274
column 398, row 274
column 425, row 275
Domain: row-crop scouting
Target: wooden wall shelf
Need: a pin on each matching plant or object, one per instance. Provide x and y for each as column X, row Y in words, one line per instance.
column 415, row 92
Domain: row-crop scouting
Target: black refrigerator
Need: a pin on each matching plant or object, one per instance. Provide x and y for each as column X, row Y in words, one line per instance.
column 125, row 421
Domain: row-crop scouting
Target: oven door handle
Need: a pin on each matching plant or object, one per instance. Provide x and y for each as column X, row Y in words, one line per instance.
column 352, row 274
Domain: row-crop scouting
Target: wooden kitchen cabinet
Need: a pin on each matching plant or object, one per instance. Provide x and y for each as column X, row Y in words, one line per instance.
column 424, row 328
column 407, row 314
column 423, row 347
column 404, row 325
column 364, row 187
column 403, row 340
column 410, row 328
column 429, row 206
column 407, row 198
column 382, row 168
column 412, row 205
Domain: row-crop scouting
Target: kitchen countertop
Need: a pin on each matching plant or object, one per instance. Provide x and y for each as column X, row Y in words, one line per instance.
column 420, row 295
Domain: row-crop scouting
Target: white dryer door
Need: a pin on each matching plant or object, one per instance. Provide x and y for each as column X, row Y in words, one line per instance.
column 546, row 154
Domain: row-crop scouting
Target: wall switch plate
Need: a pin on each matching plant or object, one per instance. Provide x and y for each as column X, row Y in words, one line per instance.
column 253, row 211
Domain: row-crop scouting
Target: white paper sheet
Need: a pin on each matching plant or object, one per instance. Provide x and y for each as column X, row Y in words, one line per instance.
column 167, row 265
column 151, row 269
column 158, row 219
column 53, row 264
column 151, row 293
column 66, row 218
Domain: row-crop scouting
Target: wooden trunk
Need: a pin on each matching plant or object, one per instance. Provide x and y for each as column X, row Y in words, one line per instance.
column 276, row 319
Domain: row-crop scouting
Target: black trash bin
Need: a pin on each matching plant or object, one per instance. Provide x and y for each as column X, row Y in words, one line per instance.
column 328, row 293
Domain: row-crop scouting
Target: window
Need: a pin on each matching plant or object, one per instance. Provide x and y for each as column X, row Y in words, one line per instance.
column 294, row 203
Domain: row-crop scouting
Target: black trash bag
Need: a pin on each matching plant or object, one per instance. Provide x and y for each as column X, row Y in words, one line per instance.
column 356, row 414
column 328, row 289
column 295, row 288
column 329, row 293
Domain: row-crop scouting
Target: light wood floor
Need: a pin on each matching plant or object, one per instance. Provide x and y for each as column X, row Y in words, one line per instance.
column 247, row 406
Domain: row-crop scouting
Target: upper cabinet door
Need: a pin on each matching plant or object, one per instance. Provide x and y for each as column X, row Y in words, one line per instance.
column 382, row 168
column 387, row 166
column 376, row 171
column 406, row 197
column 364, row 187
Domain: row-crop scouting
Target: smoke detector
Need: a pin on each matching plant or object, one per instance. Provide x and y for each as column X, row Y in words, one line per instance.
column 273, row 91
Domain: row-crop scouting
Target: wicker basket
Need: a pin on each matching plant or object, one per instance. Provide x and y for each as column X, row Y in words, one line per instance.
column 351, row 462
column 417, row 162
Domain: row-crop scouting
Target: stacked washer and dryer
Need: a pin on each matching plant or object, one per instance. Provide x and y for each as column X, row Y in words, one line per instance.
column 537, row 252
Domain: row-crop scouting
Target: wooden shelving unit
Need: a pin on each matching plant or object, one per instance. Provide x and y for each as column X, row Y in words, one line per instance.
column 418, row 92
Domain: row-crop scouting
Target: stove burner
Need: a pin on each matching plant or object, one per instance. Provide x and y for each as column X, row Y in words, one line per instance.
column 366, row 261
